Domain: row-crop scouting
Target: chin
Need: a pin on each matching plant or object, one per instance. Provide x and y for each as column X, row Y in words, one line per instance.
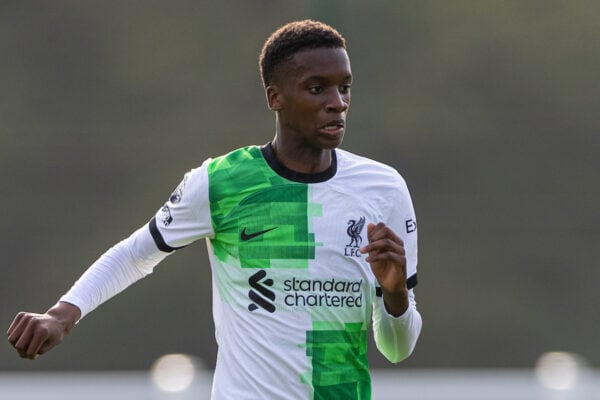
column 330, row 143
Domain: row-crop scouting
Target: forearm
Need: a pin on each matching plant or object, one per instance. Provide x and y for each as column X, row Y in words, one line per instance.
column 396, row 337
column 118, row 268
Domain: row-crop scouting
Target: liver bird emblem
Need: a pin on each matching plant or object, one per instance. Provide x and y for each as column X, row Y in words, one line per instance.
column 354, row 229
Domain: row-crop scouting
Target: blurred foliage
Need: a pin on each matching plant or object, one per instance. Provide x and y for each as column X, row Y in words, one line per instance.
column 488, row 108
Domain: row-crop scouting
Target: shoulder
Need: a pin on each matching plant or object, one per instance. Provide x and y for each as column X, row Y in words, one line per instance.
column 217, row 166
column 235, row 157
column 238, row 173
column 234, row 163
column 355, row 166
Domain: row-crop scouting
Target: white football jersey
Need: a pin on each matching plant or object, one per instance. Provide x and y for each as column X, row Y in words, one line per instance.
column 292, row 294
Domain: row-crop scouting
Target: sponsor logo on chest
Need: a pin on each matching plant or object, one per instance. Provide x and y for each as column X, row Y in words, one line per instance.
column 301, row 292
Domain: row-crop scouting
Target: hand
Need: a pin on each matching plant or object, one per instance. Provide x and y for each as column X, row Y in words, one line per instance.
column 34, row 334
column 388, row 262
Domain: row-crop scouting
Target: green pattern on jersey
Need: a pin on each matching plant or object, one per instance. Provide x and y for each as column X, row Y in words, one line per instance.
column 340, row 368
column 247, row 196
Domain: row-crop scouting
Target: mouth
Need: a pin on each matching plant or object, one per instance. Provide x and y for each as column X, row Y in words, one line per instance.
column 333, row 127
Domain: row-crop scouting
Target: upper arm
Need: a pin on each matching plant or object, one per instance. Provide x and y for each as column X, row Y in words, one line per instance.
column 185, row 217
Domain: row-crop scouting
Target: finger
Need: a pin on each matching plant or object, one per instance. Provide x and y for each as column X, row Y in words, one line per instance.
column 386, row 244
column 379, row 232
column 22, row 344
column 17, row 327
column 40, row 336
column 15, row 323
column 46, row 347
column 382, row 231
column 381, row 245
column 398, row 259
column 371, row 230
column 386, row 256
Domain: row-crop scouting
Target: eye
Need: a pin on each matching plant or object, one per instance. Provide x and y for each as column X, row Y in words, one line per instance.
column 315, row 89
column 345, row 89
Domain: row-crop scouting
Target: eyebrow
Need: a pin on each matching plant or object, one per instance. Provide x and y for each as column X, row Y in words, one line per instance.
column 324, row 78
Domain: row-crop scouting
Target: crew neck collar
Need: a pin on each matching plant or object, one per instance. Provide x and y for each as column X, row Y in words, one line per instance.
column 285, row 172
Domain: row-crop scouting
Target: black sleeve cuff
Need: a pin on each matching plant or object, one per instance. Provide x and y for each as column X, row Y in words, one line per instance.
column 158, row 239
column 410, row 283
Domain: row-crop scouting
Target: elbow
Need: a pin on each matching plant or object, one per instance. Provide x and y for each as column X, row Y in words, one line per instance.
column 400, row 354
column 397, row 343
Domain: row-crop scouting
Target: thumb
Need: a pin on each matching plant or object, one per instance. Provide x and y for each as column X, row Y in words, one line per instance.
column 370, row 228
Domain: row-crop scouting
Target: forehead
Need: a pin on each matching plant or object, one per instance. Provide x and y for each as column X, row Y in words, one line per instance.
column 326, row 63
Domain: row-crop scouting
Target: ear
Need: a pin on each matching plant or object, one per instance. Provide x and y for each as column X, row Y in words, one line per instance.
column 274, row 98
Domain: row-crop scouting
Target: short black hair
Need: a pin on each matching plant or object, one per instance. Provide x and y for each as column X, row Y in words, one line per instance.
column 292, row 38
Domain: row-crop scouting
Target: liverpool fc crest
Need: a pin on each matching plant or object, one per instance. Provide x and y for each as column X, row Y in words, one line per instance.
column 354, row 230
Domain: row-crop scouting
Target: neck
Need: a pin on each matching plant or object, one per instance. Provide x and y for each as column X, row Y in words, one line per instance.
column 295, row 176
column 301, row 158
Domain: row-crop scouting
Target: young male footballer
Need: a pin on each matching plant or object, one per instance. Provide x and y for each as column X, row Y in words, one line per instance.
column 308, row 244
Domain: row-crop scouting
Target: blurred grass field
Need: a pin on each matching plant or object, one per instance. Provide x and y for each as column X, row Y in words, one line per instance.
column 387, row 385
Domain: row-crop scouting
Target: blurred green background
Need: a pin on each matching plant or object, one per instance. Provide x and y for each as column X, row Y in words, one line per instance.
column 488, row 108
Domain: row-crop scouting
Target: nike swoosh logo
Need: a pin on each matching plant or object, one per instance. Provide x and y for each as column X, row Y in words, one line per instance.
column 247, row 236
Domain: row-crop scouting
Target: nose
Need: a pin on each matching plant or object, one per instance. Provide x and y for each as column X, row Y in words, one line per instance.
column 337, row 102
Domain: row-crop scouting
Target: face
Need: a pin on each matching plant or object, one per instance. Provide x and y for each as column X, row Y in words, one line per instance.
column 311, row 96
